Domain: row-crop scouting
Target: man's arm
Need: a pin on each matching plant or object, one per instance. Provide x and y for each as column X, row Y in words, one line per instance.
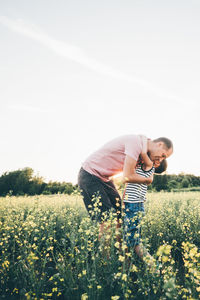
column 130, row 175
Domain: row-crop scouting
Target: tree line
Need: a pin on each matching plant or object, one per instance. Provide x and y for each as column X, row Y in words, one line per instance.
column 172, row 182
column 24, row 182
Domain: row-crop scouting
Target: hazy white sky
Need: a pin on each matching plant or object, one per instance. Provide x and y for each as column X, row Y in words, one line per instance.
column 75, row 74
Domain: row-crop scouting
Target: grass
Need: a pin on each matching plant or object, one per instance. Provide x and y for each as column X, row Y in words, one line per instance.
column 49, row 249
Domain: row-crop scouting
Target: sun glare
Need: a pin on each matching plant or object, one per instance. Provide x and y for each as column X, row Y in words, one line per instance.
column 117, row 175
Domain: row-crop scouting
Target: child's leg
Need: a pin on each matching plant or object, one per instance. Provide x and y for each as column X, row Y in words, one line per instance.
column 132, row 232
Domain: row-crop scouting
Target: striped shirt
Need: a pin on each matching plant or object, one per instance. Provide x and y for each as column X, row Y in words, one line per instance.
column 136, row 192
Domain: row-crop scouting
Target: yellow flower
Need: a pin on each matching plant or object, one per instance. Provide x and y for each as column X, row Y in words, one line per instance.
column 193, row 252
column 124, row 277
column 28, row 297
column 124, row 247
column 15, row 291
column 165, row 258
column 134, row 268
column 84, row 272
column 118, row 275
column 50, row 248
column 117, row 244
column 84, row 296
column 174, row 242
column 167, row 249
column 107, row 237
column 121, row 258
column 128, row 254
column 5, row 264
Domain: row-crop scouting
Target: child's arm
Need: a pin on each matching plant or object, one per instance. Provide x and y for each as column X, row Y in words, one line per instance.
column 147, row 161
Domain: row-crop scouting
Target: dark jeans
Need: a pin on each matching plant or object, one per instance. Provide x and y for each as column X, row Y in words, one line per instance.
column 132, row 230
column 92, row 187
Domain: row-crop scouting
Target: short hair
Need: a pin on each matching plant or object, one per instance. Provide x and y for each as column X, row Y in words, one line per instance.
column 168, row 143
column 162, row 167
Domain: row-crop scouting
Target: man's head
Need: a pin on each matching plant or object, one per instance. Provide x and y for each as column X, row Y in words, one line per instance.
column 159, row 149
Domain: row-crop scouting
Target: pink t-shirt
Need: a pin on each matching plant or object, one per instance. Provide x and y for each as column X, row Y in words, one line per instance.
column 109, row 160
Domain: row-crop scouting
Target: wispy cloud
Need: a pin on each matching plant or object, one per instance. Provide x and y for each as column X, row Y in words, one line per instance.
column 77, row 55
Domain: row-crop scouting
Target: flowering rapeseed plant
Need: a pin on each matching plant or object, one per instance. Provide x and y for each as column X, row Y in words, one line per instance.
column 50, row 249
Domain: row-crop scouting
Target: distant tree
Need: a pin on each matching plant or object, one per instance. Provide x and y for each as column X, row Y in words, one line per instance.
column 185, row 183
column 172, row 184
column 37, row 185
column 160, row 182
column 16, row 182
column 194, row 180
column 69, row 188
column 51, row 188
column 57, row 187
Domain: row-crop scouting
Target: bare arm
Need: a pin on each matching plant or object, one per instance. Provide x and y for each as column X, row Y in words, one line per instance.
column 147, row 161
column 130, row 175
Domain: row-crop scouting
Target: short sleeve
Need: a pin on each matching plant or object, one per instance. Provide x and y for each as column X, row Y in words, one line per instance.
column 133, row 146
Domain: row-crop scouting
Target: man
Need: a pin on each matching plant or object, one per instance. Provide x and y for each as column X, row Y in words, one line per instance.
column 118, row 155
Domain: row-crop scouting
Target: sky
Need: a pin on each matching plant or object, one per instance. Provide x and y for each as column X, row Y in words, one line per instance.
column 76, row 74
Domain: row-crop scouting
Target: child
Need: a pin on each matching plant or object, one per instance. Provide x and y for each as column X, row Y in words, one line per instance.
column 134, row 197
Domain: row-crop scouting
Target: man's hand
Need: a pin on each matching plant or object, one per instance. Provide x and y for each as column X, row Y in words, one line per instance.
column 149, row 180
column 130, row 175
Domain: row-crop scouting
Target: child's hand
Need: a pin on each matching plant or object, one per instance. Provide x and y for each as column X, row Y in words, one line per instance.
column 144, row 156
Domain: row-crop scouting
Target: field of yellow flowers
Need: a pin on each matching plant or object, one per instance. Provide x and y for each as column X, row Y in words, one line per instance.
column 49, row 249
